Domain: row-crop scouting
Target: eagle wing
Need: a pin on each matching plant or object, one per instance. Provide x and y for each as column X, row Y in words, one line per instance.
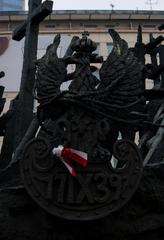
column 51, row 73
column 121, row 75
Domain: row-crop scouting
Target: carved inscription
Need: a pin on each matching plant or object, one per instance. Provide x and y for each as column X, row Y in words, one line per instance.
column 96, row 191
column 89, row 188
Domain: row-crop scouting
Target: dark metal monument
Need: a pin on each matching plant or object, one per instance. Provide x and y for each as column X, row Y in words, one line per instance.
column 73, row 170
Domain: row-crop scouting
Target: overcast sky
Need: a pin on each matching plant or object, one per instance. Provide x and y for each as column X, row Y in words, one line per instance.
column 106, row 4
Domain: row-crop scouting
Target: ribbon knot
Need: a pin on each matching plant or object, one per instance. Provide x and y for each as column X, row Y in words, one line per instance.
column 68, row 155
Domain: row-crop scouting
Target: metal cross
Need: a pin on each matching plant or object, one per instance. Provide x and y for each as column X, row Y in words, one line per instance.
column 23, row 104
column 30, row 28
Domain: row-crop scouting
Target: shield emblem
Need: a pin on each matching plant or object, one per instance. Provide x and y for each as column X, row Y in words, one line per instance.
column 88, row 118
column 104, row 186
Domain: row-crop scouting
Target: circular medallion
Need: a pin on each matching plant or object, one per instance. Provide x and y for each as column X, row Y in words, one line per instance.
column 104, row 186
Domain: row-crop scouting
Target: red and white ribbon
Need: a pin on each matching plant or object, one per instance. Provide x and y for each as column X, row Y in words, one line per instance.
column 67, row 155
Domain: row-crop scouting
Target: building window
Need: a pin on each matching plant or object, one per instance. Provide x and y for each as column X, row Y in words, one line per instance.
column 149, row 26
column 109, row 47
column 50, row 26
column 90, row 26
column 110, row 26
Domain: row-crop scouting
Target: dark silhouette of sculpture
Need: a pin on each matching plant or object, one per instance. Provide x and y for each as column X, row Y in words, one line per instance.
column 119, row 194
column 97, row 111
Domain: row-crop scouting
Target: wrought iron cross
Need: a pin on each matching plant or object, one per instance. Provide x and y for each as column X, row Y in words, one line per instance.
column 29, row 29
